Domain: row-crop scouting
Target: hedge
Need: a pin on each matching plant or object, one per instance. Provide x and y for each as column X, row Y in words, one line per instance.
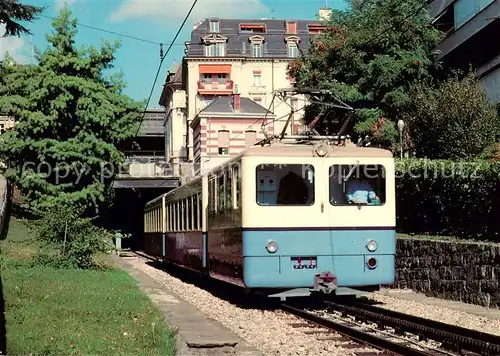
column 440, row 197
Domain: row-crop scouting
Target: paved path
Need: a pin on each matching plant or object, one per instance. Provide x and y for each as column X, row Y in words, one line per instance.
column 197, row 334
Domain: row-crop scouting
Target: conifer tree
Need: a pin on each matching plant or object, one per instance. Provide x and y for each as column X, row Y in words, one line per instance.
column 69, row 117
column 11, row 12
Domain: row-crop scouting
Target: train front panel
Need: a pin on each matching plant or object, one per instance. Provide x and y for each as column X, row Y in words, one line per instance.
column 310, row 234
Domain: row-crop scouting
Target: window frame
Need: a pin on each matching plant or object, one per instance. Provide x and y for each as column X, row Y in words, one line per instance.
column 344, row 170
column 214, row 26
column 257, row 49
column 310, row 186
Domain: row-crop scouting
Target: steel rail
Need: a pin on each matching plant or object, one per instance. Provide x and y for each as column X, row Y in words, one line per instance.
column 357, row 335
column 461, row 338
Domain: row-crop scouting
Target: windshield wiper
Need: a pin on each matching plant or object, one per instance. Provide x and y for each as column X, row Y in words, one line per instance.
column 351, row 171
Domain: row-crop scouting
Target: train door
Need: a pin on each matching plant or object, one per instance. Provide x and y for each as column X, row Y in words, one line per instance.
column 327, row 269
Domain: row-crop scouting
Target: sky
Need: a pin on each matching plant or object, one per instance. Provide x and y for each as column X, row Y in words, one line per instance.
column 152, row 22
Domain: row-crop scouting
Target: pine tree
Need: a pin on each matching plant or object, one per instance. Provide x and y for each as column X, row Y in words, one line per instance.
column 69, row 120
column 11, row 11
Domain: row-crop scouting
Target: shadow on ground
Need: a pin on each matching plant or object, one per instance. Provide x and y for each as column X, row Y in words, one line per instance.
column 237, row 296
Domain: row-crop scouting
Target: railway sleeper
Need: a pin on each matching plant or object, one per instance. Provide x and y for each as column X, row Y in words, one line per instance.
column 457, row 342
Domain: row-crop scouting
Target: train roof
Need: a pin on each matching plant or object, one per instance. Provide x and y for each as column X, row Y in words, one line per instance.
column 306, row 151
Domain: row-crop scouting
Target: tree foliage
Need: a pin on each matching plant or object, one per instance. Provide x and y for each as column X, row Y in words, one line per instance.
column 69, row 241
column 69, row 119
column 448, row 198
column 454, row 120
column 11, row 12
column 369, row 56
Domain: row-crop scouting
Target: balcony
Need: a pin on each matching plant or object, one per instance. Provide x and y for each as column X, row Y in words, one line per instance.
column 216, row 88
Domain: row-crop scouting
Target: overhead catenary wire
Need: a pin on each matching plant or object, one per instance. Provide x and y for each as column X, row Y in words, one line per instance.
column 110, row 32
column 161, row 63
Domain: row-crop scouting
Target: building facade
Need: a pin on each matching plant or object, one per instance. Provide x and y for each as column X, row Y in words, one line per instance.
column 225, row 128
column 228, row 57
column 175, row 129
column 471, row 28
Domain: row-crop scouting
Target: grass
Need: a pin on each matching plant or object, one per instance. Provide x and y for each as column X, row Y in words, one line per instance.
column 75, row 312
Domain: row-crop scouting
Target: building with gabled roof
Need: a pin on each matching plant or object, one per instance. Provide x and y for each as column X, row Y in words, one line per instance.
column 222, row 54
column 225, row 128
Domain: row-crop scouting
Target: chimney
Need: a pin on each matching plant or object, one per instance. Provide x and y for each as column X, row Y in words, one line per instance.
column 236, row 99
column 325, row 14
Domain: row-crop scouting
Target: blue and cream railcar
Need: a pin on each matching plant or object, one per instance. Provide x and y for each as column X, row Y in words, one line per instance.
column 278, row 218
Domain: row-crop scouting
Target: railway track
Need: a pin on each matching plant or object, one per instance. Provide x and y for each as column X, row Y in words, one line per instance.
column 381, row 343
column 456, row 339
column 397, row 333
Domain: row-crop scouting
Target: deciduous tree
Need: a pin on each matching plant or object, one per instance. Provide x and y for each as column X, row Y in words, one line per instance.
column 69, row 119
column 369, row 56
column 454, row 121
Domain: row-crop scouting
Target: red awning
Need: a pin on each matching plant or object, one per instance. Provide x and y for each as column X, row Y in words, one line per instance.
column 215, row 68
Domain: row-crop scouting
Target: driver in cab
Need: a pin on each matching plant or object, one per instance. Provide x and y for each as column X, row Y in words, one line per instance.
column 361, row 192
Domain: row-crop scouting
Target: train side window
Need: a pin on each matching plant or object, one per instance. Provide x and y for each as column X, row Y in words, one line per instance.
column 200, row 212
column 189, row 214
column 212, row 204
column 280, row 184
column 357, row 185
column 229, row 189
column 236, row 187
column 221, row 191
column 195, row 212
column 176, row 214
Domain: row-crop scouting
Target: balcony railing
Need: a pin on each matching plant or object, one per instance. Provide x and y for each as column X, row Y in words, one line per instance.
column 215, row 86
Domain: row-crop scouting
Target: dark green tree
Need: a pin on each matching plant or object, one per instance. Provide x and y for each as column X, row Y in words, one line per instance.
column 454, row 121
column 70, row 118
column 11, row 12
column 369, row 56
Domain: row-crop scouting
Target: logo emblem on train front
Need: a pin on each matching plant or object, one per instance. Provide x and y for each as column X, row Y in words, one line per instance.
column 304, row 262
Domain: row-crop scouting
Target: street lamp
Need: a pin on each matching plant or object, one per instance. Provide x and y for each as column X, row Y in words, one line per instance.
column 401, row 125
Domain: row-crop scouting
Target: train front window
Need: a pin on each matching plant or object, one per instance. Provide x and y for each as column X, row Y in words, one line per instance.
column 280, row 184
column 357, row 185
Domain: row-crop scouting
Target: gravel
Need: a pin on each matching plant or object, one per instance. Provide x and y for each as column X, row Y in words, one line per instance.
column 271, row 332
column 439, row 313
column 268, row 331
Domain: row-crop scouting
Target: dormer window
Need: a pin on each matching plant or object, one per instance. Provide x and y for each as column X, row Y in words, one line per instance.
column 252, row 28
column 291, row 27
column 215, row 45
column 214, row 26
column 257, row 49
column 257, row 44
column 215, row 50
column 314, row 29
column 293, row 46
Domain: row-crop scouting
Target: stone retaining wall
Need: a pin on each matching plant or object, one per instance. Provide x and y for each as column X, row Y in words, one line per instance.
column 460, row 271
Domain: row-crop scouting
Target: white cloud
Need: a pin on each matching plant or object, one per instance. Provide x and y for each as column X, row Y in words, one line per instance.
column 177, row 9
column 14, row 45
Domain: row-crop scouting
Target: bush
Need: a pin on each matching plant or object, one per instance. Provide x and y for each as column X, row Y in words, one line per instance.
column 455, row 121
column 442, row 197
column 71, row 240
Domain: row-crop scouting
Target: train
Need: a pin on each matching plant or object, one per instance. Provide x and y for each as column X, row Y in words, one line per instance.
column 284, row 220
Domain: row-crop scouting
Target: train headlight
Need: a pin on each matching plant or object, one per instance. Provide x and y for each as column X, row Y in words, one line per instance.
column 371, row 245
column 272, row 246
column 321, row 150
